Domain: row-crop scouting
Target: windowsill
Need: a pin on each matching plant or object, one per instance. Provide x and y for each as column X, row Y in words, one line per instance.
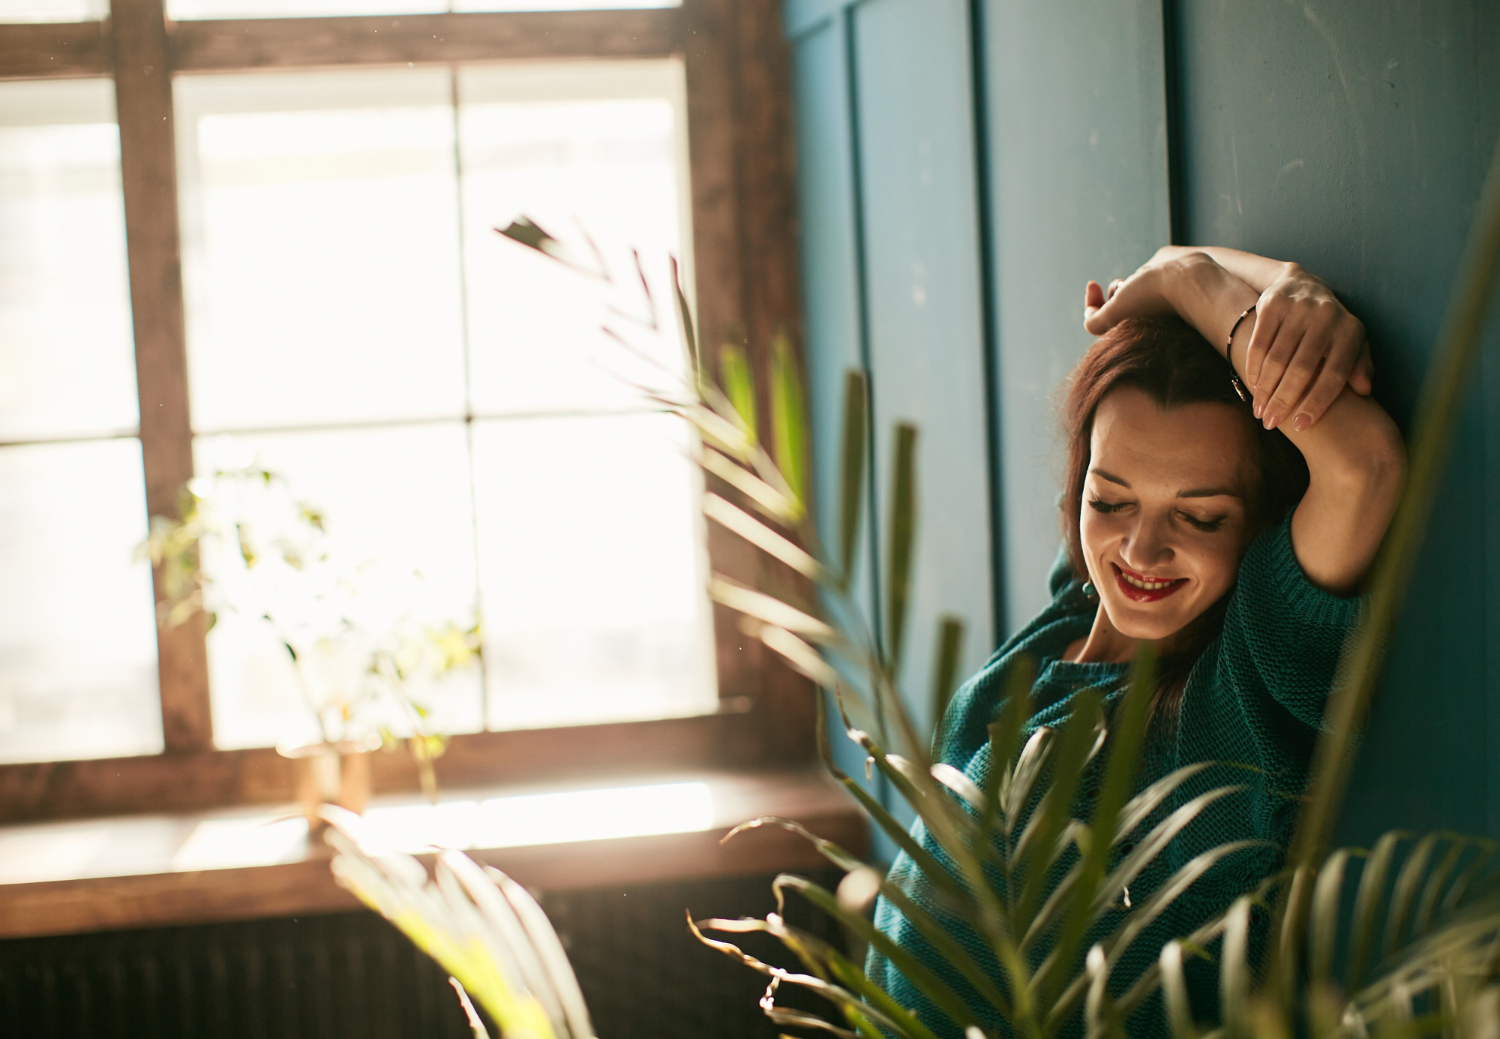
column 160, row 870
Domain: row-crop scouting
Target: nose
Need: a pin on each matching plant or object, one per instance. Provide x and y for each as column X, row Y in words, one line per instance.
column 1148, row 544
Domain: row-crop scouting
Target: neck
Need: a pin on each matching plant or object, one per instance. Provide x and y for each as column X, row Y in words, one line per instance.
column 1104, row 645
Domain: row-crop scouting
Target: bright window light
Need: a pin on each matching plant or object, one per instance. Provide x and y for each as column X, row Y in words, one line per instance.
column 444, row 395
column 544, row 818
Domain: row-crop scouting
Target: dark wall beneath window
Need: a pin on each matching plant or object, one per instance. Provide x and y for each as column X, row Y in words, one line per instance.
column 353, row 976
column 1044, row 144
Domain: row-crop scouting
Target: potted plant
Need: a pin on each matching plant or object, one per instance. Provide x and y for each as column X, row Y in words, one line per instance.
column 247, row 544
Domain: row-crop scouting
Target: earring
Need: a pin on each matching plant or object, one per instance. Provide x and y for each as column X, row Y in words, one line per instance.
column 1088, row 589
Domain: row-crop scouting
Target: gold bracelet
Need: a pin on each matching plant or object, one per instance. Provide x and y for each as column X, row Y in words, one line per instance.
column 1234, row 377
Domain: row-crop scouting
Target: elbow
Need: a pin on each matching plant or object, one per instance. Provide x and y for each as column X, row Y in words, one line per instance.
column 1372, row 468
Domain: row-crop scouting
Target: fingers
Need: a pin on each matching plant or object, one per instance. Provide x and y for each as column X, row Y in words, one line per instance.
column 1362, row 381
column 1276, row 358
column 1093, row 299
column 1343, row 354
column 1268, row 319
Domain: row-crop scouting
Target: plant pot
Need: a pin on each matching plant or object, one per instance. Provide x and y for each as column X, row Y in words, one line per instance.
column 331, row 773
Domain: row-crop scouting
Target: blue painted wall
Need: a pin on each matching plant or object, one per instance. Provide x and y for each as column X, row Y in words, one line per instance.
column 966, row 164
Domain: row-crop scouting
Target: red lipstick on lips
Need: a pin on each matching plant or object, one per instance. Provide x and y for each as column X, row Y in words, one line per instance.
column 1135, row 594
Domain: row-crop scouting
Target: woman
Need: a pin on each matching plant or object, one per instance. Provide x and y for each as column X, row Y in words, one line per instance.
column 1226, row 512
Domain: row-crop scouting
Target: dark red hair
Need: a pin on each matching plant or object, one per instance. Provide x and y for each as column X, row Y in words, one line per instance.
column 1174, row 366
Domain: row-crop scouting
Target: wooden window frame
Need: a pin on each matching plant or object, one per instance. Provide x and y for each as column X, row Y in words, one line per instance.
column 744, row 244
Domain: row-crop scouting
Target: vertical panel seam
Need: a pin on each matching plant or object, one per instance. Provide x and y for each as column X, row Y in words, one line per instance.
column 989, row 324
column 1172, row 100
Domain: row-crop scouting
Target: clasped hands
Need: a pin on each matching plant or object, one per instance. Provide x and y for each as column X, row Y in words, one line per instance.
column 1304, row 349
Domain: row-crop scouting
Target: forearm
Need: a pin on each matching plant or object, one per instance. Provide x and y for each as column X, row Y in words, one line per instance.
column 1258, row 272
column 1354, row 454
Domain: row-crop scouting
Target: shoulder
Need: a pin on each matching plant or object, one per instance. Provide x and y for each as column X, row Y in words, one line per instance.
column 1282, row 635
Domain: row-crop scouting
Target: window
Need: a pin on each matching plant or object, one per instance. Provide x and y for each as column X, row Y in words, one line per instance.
column 281, row 250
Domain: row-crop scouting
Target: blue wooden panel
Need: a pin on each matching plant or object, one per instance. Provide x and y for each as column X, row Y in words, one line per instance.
column 1352, row 137
column 1076, row 138
column 829, row 252
column 916, row 158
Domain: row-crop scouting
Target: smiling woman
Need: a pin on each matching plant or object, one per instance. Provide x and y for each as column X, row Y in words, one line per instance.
column 1231, row 546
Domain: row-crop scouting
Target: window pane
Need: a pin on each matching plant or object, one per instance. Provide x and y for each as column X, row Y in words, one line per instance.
column 52, row 10
column 77, row 632
column 400, row 547
column 600, row 146
column 592, row 572
column 66, row 352
column 321, row 254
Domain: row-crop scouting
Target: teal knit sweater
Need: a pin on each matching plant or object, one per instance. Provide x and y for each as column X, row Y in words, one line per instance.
column 1255, row 696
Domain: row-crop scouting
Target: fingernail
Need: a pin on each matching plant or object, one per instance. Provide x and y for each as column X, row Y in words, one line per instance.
column 1258, row 409
column 1270, row 421
column 1301, row 422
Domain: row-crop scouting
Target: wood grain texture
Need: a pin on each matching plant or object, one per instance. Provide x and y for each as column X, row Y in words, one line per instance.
column 148, row 173
column 213, row 778
column 55, row 50
column 768, row 237
column 155, row 895
column 298, row 43
column 713, row 157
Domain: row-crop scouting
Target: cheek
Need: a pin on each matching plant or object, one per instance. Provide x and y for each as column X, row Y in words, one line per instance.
column 1095, row 531
column 1216, row 560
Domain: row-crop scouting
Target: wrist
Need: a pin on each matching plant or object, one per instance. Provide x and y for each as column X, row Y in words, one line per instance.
column 1209, row 297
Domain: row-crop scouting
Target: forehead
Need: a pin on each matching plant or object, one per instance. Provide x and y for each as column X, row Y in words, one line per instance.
column 1196, row 445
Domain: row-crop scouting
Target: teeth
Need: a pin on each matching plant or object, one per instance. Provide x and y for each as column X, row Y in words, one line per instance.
column 1150, row 586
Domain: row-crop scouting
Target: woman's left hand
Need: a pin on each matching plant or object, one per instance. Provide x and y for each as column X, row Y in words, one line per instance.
column 1304, row 349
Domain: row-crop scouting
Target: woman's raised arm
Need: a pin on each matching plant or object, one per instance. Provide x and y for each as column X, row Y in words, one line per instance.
column 1354, row 454
column 1306, row 345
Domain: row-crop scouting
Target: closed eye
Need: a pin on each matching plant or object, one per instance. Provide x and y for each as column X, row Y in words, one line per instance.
column 1100, row 505
column 1207, row 526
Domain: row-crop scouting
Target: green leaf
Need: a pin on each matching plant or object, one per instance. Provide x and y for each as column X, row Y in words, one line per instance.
column 768, row 608
column 913, row 969
column 1234, row 969
column 789, row 435
column 733, row 518
column 1174, row 992
column 903, row 525
column 1324, row 917
column 1004, row 734
column 950, row 641
column 1119, row 775
column 1055, row 810
column 1403, row 897
column 1367, row 900
column 852, row 474
column 685, row 321
column 899, row 834
column 739, row 386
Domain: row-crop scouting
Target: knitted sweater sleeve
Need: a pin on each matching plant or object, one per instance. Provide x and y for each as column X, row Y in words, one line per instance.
column 1283, row 633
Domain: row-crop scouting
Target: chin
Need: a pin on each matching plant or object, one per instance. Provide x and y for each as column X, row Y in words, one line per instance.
column 1132, row 625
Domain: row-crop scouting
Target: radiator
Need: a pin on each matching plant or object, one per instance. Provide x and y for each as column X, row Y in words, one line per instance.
column 353, row 975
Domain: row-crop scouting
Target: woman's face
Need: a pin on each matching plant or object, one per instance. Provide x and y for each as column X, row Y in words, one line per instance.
column 1164, row 523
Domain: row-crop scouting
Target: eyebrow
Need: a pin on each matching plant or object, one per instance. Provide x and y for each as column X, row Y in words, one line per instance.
column 1196, row 492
